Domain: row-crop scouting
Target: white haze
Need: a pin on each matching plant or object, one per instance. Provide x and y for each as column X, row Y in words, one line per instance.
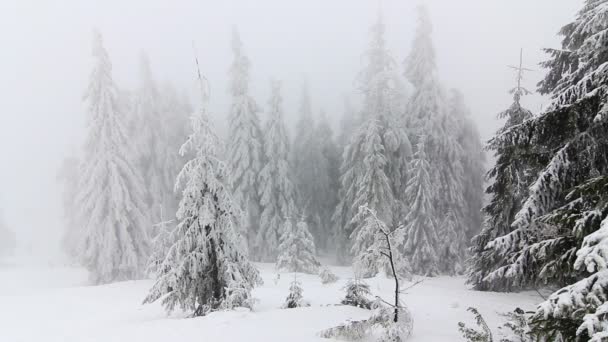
column 45, row 57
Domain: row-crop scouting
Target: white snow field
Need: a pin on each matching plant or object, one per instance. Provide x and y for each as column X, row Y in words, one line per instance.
column 53, row 304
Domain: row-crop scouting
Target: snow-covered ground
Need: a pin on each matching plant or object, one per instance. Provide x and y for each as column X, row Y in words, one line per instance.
column 51, row 303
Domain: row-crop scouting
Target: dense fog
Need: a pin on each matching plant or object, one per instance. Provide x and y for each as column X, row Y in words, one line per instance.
column 304, row 170
column 46, row 62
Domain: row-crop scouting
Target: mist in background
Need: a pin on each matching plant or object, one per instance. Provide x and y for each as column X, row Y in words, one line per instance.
column 45, row 63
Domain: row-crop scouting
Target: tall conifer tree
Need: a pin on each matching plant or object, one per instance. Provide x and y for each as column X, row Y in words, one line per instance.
column 559, row 236
column 115, row 243
column 511, row 176
column 245, row 147
column 276, row 187
column 381, row 140
column 205, row 269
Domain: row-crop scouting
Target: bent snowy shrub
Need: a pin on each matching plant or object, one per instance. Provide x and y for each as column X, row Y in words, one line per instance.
column 327, row 276
column 381, row 325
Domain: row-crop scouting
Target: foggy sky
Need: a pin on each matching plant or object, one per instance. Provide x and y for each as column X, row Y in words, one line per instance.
column 45, row 63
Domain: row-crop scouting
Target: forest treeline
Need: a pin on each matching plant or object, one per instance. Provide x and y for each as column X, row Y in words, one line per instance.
column 155, row 190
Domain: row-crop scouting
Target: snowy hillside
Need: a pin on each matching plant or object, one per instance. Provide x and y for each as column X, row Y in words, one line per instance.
column 52, row 305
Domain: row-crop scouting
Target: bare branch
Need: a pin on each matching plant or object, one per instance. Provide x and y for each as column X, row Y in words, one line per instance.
column 409, row 287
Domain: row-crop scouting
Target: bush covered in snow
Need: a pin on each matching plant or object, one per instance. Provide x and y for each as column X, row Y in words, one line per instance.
column 327, row 276
column 381, row 325
column 295, row 299
column 357, row 294
column 516, row 329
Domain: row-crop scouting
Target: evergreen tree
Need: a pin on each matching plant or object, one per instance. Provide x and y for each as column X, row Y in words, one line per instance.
column 175, row 120
column 161, row 243
column 358, row 294
column 297, row 249
column 245, row 147
column 428, row 116
column 295, row 298
column 511, row 177
column 559, row 235
column 310, row 167
column 302, row 152
column 370, row 186
column 421, row 240
column 426, row 106
column 205, row 269
column 150, row 135
column 383, row 98
column 450, row 248
column 327, row 181
column 276, row 187
column 373, row 168
column 348, row 123
column 114, row 239
column 472, row 160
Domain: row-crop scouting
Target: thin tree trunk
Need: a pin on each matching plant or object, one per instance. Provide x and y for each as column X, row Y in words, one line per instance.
column 390, row 258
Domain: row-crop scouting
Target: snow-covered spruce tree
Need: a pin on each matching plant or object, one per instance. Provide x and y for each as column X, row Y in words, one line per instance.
column 114, row 243
column 276, row 188
column 302, row 151
column 368, row 182
column 421, row 232
column 358, row 294
column 205, row 270
column 450, row 246
column 297, row 248
column 569, row 140
column 383, row 93
column 578, row 311
column 326, row 182
column 472, row 160
column 246, row 142
column 175, row 120
column 310, row 167
column 511, row 177
column 426, row 108
column 461, row 213
column 428, row 116
column 161, row 243
column 295, row 298
column 559, row 235
column 348, row 123
column 150, row 136
column 373, row 168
